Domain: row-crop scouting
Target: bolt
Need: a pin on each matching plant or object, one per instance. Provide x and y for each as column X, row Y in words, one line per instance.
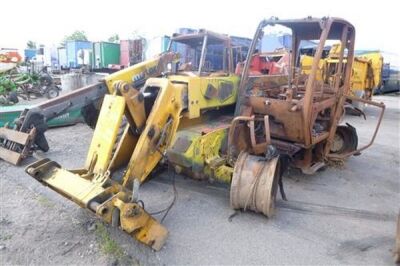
column 151, row 132
column 132, row 212
column 140, row 97
column 126, row 87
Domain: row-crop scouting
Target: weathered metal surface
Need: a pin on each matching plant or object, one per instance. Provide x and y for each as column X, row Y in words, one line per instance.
column 103, row 197
column 304, row 110
column 254, row 184
column 38, row 116
column 131, row 52
column 197, row 151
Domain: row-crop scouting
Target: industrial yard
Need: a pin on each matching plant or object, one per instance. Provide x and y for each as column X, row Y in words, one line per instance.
column 339, row 216
column 225, row 136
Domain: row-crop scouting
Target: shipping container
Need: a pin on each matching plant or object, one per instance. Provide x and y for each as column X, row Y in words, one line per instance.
column 131, row 52
column 105, row 54
column 62, row 57
column 156, row 46
column 73, row 48
column 50, row 56
column 29, row 54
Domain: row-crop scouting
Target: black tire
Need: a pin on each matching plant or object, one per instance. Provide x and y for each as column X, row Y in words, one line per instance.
column 41, row 142
column 350, row 139
column 52, row 92
column 90, row 114
column 13, row 97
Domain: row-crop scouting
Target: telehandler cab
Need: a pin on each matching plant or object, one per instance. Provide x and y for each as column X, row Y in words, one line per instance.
column 188, row 119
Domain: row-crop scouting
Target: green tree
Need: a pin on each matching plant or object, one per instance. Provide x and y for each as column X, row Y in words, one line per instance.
column 31, row 45
column 78, row 35
column 114, row 38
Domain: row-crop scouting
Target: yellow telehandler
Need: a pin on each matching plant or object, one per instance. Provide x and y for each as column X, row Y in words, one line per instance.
column 200, row 120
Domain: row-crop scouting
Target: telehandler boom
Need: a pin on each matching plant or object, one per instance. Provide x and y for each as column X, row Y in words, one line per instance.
column 29, row 133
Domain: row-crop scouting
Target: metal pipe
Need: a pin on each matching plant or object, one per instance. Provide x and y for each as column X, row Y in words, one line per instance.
column 203, row 54
column 308, row 96
column 376, row 104
column 339, row 93
column 246, row 67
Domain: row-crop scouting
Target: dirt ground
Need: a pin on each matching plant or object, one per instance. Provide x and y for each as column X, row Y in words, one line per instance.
column 342, row 215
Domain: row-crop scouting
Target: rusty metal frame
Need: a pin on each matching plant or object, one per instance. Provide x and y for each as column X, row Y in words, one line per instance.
column 257, row 148
column 295, row 111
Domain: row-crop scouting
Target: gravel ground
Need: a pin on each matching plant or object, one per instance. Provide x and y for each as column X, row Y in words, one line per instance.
column 342, row 215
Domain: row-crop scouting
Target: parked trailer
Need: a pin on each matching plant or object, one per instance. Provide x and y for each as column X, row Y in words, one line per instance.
column 105, row 54
column 131, row 52
column 73, row 48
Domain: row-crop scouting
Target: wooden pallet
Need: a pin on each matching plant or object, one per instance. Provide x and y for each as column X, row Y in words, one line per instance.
column 15, row 145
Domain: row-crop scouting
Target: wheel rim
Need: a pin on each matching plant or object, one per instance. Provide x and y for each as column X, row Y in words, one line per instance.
column 52, row 93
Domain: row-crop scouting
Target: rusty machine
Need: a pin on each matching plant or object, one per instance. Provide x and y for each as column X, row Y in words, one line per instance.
column 299, row 114
column 188, row 118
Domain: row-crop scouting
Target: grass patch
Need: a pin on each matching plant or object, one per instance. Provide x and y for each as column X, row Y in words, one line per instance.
column 45, row 201
column 108, row 245
column 6, row 237
column 339, row 164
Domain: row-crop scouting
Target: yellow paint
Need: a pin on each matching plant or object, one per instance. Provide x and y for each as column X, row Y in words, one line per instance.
column 366, row 70
column 179, row 98
column 164, row 117
column 202, row 158
column 129, row 74
column 197, row 87
column 105, row 133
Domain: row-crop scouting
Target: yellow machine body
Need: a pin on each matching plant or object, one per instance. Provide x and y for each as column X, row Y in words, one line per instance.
column 147, row 112
column 208, row 123
column 365, row 76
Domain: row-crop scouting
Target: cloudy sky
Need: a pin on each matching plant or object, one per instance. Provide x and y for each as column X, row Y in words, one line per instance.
column 48, row 22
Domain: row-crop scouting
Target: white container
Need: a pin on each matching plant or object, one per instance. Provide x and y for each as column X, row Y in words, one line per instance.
column 156, row 46
column 62, row 57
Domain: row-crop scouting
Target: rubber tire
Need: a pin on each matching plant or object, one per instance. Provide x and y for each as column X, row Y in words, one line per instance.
column 350, row 138
column 13, row 97
column 57, row 91
column 41, row 142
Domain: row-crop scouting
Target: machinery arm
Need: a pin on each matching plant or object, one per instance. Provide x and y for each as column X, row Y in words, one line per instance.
column 37, row 117
column 94, row 188
column 89, row 98
column 32, row 123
